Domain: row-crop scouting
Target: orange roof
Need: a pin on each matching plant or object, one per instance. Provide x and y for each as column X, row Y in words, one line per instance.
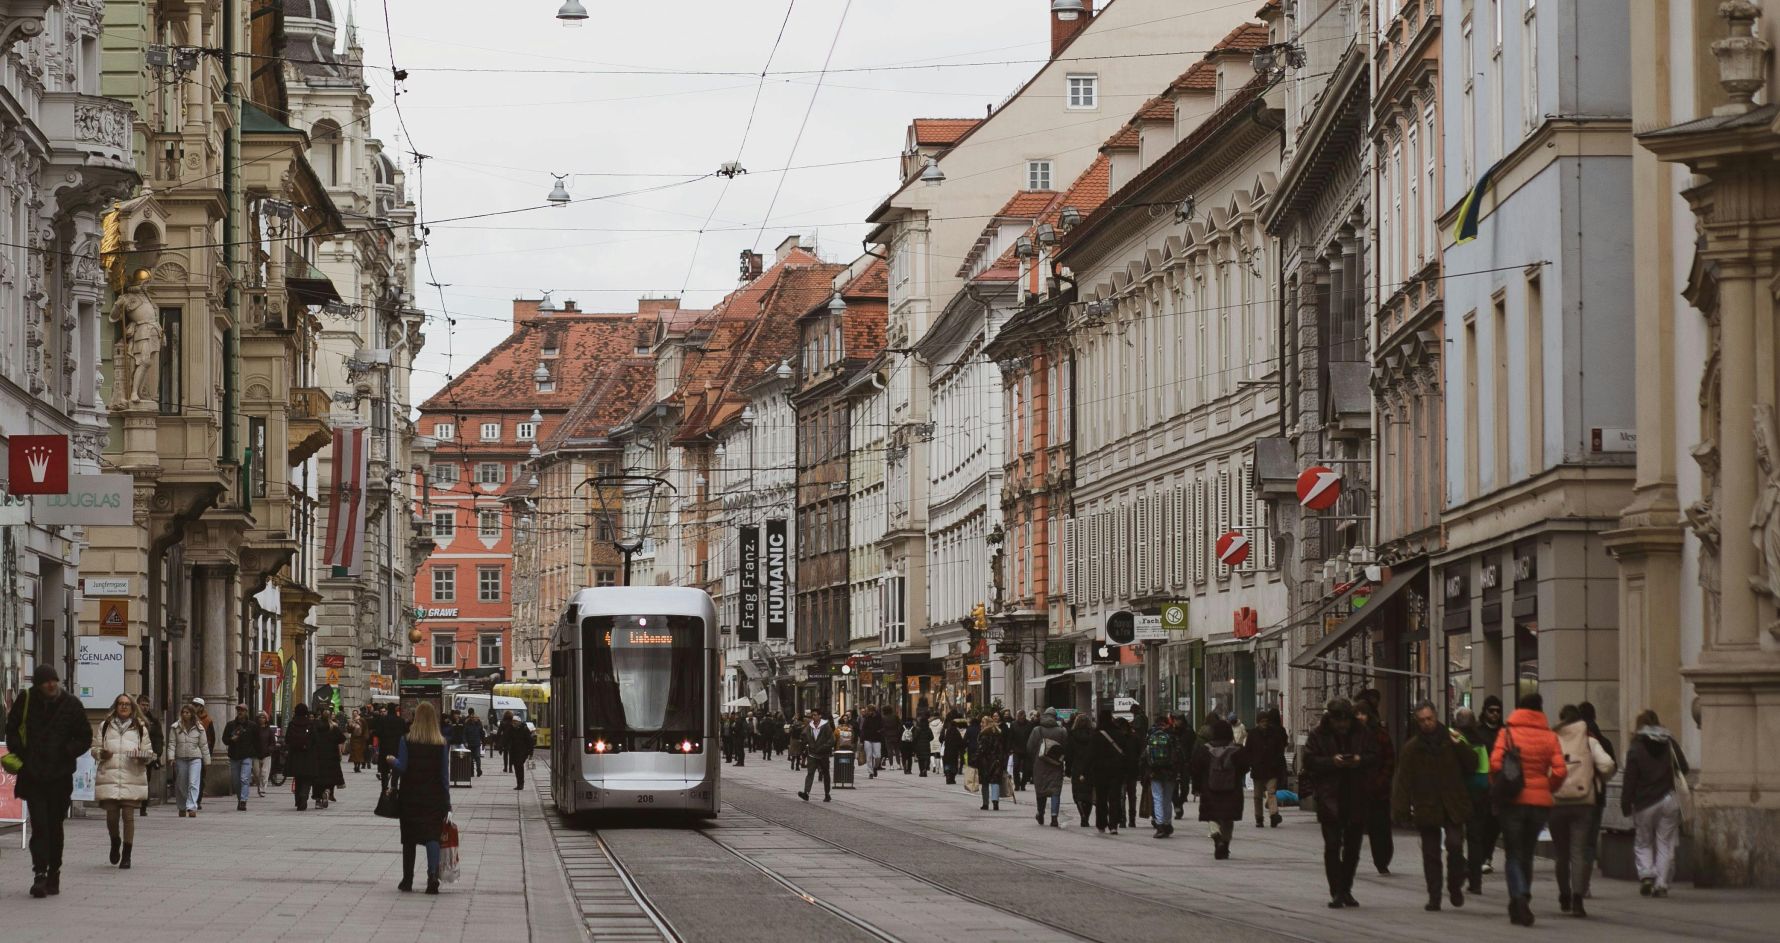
column 620, row 386
column 1156, row 109
column 502, row 378
column 1245, row 38
column 1027, row 204
column 1202, row 76
column 942, row 132
column 1124, row 140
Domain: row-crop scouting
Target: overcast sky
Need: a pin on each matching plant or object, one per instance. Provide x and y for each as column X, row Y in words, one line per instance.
column 495, row 137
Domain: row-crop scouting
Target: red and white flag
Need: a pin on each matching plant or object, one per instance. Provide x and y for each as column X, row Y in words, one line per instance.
column 346, row 507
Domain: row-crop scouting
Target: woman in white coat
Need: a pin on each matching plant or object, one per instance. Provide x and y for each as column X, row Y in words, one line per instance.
column 188, row 750
column 123, row 750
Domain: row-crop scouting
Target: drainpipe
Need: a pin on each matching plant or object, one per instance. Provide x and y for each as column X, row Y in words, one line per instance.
column 232, row 337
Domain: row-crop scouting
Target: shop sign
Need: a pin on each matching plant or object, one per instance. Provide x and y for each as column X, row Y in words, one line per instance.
column 1247, row 623
column 1148, row 629
column 38, row 464
column 1059, row 656
column 1084, row 654
column 1318, row 487
column 778, row 603
column 99, row 669
column 333, row 660
column 270, row 665
column 436, row 613
column 973, row 674
column 1174, row 616
column 865, row 678
column 748, row 580
column 105, row 586
column 381, row 684
column 108, row 500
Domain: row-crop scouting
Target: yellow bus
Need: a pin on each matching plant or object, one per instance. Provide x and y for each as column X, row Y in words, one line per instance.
column 536, row 695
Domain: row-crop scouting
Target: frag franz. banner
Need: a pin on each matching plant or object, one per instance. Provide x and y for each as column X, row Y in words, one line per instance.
column 778, row 579
column 346, row 508
column 748, row 578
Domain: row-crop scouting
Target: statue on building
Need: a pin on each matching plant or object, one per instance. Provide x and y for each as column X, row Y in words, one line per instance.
column 138, row 351
column 1764, row 523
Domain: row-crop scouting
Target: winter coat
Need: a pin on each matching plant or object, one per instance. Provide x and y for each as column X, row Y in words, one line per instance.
column 1477, row 769
column 818, row 744
column 325, row 742
column 1047, row 775
column 871, row 729
column 990, row 756
column 123, row 776
column 520, row 742
column 356, row 741
column 1133, row 742
column 268, row 744
column 1431, row 785
column 1266, row 749
column 1589, row 765
column 425, row 796
column 1649, row 771
column 1378, row 783
column 923, row 742
column 188, row 743
column 1173, row 764
column 1107, row 760
column 1541, row 759
column 299, row 746
column 953, row 742
column 51, row 736
column 242, row 738
column 1021, row 738
column 474, row 733
column 1217, row 805
column 1340, row 791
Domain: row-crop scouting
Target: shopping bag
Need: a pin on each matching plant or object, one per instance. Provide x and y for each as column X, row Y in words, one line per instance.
column 1683, row 791
column 1007, row 789
column 450, row 860
column 970, row 779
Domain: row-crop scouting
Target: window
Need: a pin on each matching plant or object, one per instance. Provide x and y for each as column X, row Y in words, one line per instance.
column 488, row 584
column 605, row 576
column 444, row 525
column 1468, row 111
column 488, row 524
column 444, row 475
column 257, row 459
column 550, row 348
column 1084, row 91
column 546, row 386
column 1471, row 438
column 491, row 432
column 608, row 468
column 444, row 431
column 602, row 530
column 1529, row 69
column 490, row 473
column 1499, row 395
column 1038, row 175
column 172, row 391
column 444, row 649
column 525, row 431
column 1535, row 374
column 488, row 653
column 444, row 584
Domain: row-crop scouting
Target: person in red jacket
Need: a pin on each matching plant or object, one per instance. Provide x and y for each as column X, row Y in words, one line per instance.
column 1523, row 814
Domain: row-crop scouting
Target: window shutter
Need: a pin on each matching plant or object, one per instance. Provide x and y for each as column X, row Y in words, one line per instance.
column 1196, row 531
column 1121, row 563
column 1245, row 515
column 1221, row 510
column 1177, row 550
column 1095, row 566
column 1107, row 544
column 1158, row 546
column 1066, row 578
column 1141, row 534
column 1264, row 527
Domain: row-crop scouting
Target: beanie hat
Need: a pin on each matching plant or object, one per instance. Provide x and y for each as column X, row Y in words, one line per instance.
column 43, row 673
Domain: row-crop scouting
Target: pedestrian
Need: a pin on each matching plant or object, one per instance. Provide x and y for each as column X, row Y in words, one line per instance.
column 299, row 754
column 1377, row 799
column 1266, row 760
column 892, row 737
column 794, row 746
column 1593, row 848
column 1429, row 792
column 954, row 745
column 1188, row 738
column 1078, row 758
column 818, row 748
column 1107, row 765
column 241, row 738
column 1020, row 739
column 741, row 733
column 1489, row 727
column 421, row 758
column 781, row 733
column 1238, row 732
column 47, row 730
column 326, row 738
column 763, row 730
column 390, row 730
column 1653, row 764
column 920, row 743
column 188, row 750
column 936, row 730
column 123, row 753
column 154, row 733
column 209, row 739
column 1524, row 813
column 1338, row 761
column 355, row 741
column 1573, row 807
column 262, row 754
column 1217, row 770
column 990, row 760
column 1162, row 763
column 871, row 736
column 1481, row 828
column 474, row 735
column 1048, row 745
column 520, row 744
column 906, row 742
column 1131, row 740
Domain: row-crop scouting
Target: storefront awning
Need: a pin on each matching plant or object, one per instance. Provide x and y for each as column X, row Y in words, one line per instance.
column 1360, row 619
column 1042, row 680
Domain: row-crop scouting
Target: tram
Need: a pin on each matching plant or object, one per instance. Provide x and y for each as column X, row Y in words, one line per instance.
column 633, row 684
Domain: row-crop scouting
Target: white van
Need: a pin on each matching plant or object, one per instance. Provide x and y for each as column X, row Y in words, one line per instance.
column 491, row 708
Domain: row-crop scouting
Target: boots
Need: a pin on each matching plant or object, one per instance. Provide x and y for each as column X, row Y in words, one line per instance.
column 432, row 882
column 985, row 801
column 1433, row 901
column 1053, row 820
column 39, row 884
column 123, row 861
column 116, row 843
column 997, row 804
column 53, row 883
column 407, row 869
column 1040, row 816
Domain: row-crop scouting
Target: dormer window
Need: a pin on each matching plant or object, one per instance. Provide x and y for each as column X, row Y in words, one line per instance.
column 550, row 350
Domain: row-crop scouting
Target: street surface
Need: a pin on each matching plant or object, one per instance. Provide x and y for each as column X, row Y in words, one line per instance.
column 896, row 858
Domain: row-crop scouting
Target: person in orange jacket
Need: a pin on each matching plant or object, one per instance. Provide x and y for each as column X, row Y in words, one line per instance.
column 1524, row 810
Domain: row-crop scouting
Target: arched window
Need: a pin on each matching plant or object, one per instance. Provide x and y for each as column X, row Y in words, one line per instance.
column 327, row 151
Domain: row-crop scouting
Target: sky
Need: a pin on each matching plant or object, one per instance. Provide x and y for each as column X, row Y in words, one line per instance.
column 494, row 137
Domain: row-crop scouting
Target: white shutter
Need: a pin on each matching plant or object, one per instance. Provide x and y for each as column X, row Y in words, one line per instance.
column 1245, row 515
column 1221, row 511
column 1109, row 561
column 1122, row 552
column 1158, row 546
column 1102, row 548
column 1140, row 532
column 1091, row 551
column 1178, row 524
column 1066, row 573
column 1196, row 528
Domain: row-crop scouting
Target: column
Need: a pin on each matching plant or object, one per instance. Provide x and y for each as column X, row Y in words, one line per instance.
column 216, row 634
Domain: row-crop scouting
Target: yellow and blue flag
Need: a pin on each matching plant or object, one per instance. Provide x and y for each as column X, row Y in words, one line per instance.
column 1473, row 206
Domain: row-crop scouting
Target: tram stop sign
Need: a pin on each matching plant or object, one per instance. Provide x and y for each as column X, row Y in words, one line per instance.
column 1319, row 487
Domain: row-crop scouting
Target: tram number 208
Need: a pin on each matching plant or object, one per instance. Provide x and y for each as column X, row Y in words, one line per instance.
column 645, row 800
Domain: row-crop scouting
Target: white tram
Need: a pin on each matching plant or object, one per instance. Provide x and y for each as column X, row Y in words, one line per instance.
column 633, row 677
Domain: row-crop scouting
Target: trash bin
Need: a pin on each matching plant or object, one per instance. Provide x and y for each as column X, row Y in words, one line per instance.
column 843, row 770
column 463, row 767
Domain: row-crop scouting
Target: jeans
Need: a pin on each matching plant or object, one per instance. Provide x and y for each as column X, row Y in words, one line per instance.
column 1056, row 803
column 993, row 792
column 476, row 757
column 812, row 766
column 1265, row 795
column 1378, row 833
column 46, row 814
column 432, row 861
column 260, row 765
column 1657, row 830
column 243, row 770
column 1480, row 837
column 1520, row 833
column 1341, row 852
column 1450, row 835
column 1569, row 835
column 1592, row 848
column 188, row 776
column 873, row 754
column 1162, row 802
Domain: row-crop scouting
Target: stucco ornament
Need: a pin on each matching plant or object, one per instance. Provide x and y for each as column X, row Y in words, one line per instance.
column 1764, row 523
column 139, row 328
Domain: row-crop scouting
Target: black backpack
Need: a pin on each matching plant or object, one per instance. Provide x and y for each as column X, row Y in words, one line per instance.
column 1221, row 776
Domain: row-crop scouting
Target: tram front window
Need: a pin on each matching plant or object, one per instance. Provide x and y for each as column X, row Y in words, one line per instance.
column 644, row 682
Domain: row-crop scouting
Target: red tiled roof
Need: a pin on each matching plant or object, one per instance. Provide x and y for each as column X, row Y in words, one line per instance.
column 1027, row 204
column 502, row 378
column 1201, row 76
column 1245, row 38
column 873, row 282
column 1086, row 194
column 1124, row 140
column 620, row 386
column 1156, row 109
column 942, row 132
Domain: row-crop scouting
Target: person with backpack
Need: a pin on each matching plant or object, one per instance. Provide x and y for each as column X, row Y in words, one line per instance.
column 1047, row 744
column 1162, row 762
column 1527, row 763
column 1266, row 760
column 1217, row 769
column 1338, row 759
column 1573, row 808
column 1429, row 792
column 1653, row 765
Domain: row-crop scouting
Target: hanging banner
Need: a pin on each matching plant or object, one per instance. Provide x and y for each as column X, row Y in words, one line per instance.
column 778, row 579
column 748, row 539
column 346, row 509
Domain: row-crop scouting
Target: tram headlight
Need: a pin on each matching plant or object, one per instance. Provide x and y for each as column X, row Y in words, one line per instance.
column 687, row 746
column 601, row 746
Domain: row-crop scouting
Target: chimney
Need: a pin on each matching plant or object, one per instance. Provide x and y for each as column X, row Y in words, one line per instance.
column 568, row 307
column 655, row 307
column 785, row 247
column 1066, row 23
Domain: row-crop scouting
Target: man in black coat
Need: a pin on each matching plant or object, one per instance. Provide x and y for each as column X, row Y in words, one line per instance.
column 1339, row 757
column 390, row 729
column 48, row 729
column 818, row 748
column 1266, row 749
column 242, row 737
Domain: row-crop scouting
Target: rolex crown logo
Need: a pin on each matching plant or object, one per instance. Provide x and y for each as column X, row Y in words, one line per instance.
column 37, row 458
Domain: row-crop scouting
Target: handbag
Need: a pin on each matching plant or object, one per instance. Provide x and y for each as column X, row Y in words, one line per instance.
column 1508, row 784
column 1683, row 791
column 389, row 805
column 970, row 779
